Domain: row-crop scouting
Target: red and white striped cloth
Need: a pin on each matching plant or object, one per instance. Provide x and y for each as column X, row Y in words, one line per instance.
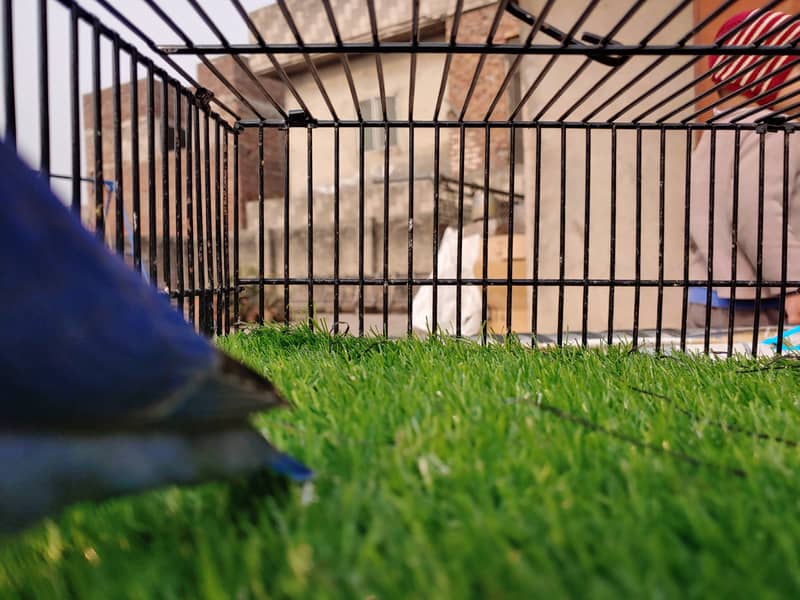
column 779, row 66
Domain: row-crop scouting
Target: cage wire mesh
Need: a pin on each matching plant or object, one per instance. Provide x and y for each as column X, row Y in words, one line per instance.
column 565, row 170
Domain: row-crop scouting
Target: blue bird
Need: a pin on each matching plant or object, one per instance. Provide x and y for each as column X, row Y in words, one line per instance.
column 104, row 388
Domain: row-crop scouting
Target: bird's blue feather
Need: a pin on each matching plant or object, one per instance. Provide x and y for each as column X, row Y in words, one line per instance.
column 84, row 341
column 285, row 465
column 84, row 337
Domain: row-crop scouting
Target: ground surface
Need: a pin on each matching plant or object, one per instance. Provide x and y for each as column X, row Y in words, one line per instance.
column 448, row 470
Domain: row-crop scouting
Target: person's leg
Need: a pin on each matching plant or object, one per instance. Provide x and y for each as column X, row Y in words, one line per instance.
column 696, row 316
column 747, row 318
column 742, row 318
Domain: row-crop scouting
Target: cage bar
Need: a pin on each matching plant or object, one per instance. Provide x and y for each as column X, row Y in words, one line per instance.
column 190, row 252
column 179, row 250
column 44, row 91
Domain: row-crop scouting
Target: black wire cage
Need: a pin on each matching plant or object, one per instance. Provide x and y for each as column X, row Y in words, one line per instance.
column 473, row 167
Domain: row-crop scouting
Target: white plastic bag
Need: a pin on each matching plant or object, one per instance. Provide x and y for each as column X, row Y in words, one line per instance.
column 422, row 307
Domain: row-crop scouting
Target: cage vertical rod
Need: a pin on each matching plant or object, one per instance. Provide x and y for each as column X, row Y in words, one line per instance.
column 737, row 139
column 512, row 69
column 209, row 297
column 662, row 146
column 410, row 288
column 562, row 235
column 719, row 67
column 286, row 232
column 612, row 237
column 510, row 270
column 373, row 26
column 8, row 73
column 310, row 222
column 236, row 224
column 169, row 22
column 136, row 206
column 178, row 175
column 499, row 12
column 218, row 223
column 687, row 217
column 116, row 117
column 485, row 237
column 166, row 254
column 106, row 4
column 593, row 89
column 190, row 256
column 226, row 232
column 287, row 15
column 537, row 209
column 460, row 229
column 198, row 202
column 261, row 224
column 44, row 91
column 412, row 76
column 151, row 175
column 760, row 241
column 552, row 61
column 637, row 289
column 75, row 109
column 710, row 239
column 576, row 73
column 386, row 158
column 434, row 325
column 99, row 221
column 448, row 59
column 587, row 213
column 656, row 63
column 336, row 227
column 788, row 114
column 243, row 66
column 361, row 228
column 784, row 239
column 271, row 57
column 673, row 75
column 343, row 59
column 719, row 88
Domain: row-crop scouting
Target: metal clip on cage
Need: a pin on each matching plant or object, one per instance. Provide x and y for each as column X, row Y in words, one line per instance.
column 558, row 35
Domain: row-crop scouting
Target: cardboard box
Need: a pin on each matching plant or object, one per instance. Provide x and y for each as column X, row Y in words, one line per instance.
column 497, row 295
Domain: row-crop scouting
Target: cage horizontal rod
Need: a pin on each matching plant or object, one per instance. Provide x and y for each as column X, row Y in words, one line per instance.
column 699, row 126
column 197, row 293
column 480, row 48
column 517, row 281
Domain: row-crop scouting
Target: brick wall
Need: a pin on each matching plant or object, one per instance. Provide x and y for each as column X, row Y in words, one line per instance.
column 474, row 27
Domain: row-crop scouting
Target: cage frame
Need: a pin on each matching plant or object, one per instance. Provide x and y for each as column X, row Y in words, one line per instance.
column 203, row 211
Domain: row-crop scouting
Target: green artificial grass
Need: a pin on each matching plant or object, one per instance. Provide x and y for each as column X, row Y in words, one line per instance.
column 450, row 470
